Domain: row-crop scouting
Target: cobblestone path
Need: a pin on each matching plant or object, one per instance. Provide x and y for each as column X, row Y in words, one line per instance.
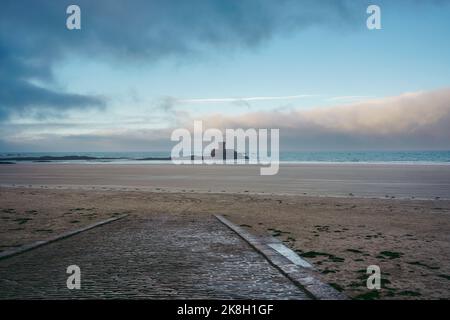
column 161, row 257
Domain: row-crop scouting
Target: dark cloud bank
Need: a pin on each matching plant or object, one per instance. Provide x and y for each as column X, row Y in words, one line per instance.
column 33, row 37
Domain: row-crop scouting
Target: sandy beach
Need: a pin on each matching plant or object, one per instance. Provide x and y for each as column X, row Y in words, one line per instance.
column 341, row 218
column 358, row 180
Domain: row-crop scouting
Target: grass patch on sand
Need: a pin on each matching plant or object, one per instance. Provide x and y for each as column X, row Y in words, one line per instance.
column 389, row 255
column 371, row 295
column 316, row 254
column 22, row 220
column 421, row 264
column 336, row 286
column 353, row 251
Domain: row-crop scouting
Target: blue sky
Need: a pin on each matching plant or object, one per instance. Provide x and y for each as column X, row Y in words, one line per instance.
column 331, row 61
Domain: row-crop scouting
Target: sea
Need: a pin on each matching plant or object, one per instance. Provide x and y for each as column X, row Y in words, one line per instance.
column 155, row 157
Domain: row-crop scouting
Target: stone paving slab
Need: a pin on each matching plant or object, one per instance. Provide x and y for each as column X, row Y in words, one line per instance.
column 160, row 257
column 295, row 268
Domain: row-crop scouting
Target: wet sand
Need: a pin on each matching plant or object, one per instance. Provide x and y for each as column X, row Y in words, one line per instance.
column 359, row 180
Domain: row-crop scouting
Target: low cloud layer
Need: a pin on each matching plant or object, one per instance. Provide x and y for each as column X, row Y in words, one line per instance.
column 418, row 120
column 411, row 121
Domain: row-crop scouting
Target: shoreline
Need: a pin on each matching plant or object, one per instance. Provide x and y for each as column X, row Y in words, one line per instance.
column 350, row 180
column 169, row 162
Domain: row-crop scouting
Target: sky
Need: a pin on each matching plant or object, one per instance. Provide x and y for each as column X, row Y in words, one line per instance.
column 139, row 69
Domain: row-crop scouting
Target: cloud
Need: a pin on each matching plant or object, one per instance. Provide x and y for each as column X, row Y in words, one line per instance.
column 101, row 140
column 417, row 120
column 23, row 64
column 243, row 99
column 33, row 37
column 411, row 121
column 24, row 98
column 350, row 98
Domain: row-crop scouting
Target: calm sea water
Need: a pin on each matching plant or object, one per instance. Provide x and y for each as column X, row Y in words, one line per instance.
column 409, row 157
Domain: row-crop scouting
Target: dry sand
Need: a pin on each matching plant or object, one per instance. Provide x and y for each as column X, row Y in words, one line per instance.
column 341, row 236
